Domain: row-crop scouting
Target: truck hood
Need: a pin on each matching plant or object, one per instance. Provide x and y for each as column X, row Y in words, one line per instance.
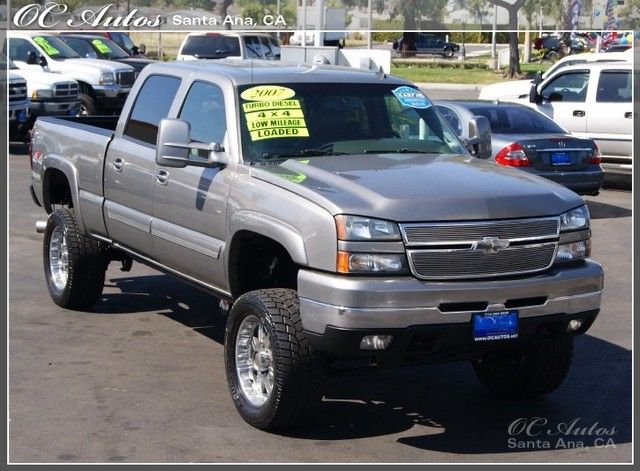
column 91, row 65
column 39, row 79
column 506, row 90
column 414, row 187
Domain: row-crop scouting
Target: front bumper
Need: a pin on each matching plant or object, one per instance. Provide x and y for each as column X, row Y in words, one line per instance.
column 586, row 181
column 330, row 302
column 54, row 107
column 111, row 97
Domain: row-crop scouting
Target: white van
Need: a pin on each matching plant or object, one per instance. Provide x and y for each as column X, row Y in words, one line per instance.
column 204, row 45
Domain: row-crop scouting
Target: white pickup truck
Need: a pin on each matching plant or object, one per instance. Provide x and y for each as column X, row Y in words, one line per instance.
column 104, row 85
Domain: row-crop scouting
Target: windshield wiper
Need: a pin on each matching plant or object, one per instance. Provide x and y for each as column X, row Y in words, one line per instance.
column 403, row 150
column 300, row 153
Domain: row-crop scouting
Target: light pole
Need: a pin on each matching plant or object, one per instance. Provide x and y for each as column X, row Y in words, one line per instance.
column 370, row 23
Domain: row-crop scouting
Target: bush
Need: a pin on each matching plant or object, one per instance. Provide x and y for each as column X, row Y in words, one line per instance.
column 414, row 63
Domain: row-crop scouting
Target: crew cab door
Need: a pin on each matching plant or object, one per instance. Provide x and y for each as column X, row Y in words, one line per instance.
column 611, row 125
column 130, row 166
column 190, row 203
column 564, row 99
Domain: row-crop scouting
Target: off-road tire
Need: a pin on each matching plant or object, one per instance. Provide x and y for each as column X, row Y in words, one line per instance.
column 534, row 372
column 298, row 372
column 87, row 263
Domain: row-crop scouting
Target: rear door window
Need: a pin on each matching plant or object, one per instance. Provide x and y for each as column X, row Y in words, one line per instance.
column 151, row 106
column 614, row 86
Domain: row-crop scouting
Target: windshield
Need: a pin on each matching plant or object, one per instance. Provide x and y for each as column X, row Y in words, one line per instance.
column 513, row 120
column 211, row 47
column 102, row 48
column 55, row 48
column 315, row 119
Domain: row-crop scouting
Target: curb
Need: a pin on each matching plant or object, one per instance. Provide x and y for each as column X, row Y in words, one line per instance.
column 451, row 86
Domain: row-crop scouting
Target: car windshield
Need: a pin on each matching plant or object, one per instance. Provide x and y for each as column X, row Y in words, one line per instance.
column 515, row 120
column 95, row 47
column 281, row 121
column 211, row 46
column 55, row 48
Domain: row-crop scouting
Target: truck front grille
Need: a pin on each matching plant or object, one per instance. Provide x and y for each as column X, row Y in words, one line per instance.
column 126, row 78
column 468, row 263
column 480, row 249
column 17, row 91
column 66, row 90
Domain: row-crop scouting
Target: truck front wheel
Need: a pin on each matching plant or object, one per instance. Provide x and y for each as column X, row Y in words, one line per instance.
column 528, row 373
column 74, row 264
column 273, row 375
column 88, row 105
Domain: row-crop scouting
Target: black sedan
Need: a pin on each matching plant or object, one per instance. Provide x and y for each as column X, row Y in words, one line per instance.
column 524, row 138
column 100, row 47
column 425, row 43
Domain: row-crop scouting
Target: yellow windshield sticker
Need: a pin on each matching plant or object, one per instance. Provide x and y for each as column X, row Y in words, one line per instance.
column 267, row 93
column 101, row 46
column 270, row 114
column 46, row 45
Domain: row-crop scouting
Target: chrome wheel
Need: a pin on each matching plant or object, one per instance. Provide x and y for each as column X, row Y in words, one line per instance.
column 59, row 258
column 254, row 361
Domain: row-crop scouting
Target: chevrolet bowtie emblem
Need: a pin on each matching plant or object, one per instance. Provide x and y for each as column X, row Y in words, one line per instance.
column 490, row 245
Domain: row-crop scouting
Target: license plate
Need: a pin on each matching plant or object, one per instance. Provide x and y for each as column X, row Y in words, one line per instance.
column 499, row 325
column 560, row 158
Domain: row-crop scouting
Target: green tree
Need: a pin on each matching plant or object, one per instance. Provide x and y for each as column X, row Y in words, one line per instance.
column 631, row 14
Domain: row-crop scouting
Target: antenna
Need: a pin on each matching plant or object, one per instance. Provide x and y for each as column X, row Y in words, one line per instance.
column 252, row 71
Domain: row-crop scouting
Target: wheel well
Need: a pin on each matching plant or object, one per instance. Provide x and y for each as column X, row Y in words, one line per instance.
column 86, row 89
column 258, row 262
column 56, row 189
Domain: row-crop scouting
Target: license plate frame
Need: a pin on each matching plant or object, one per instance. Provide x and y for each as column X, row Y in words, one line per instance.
column 559, row 159
column 495, row 325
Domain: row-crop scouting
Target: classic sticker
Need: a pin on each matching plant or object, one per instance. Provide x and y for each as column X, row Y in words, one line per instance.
column 411, row 97
column 267, row 92
column 101, row 46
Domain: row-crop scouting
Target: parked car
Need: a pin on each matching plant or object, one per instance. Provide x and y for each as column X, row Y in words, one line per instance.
column 48, row 95
column 426, row 43
column 618, row 48
column 121, row 39
column 337, row 213
column 233, row 45
column 18, row 105
column 104, row 85
column 519, row 89
column 99, row 47
column 524, row 138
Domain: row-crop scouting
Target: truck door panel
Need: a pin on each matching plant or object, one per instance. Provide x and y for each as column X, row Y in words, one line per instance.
column 565, row 100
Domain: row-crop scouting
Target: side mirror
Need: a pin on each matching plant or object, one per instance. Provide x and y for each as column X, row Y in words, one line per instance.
column 32, row 57
column 174, row 142
column 537, row 78
column 142, row 49
column 480, row 137
column 534, row 96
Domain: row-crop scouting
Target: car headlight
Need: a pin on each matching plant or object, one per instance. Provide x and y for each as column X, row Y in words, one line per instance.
column 41, row 94
column 107, row 79
column 575, row 236
column 372, row 263
column 357, row 228
column 575, row 219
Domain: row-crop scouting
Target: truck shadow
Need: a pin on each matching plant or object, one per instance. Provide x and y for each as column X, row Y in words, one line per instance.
column 436, row 407
column 599, row 210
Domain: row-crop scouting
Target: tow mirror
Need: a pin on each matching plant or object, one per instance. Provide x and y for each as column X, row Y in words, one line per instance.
column 534, row 97
column 537, row 78
column 174, row 143
column 142, row 49
column 32, row 57
column 479, row 141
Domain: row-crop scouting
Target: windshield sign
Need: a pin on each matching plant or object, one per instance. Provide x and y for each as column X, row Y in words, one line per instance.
column 281, row 121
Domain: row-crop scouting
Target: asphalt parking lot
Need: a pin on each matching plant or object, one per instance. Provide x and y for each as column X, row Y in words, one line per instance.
column 141, row 379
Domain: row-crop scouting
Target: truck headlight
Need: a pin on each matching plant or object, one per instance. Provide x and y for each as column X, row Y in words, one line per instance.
column 573, row 251
column 107, row 79
column 41, row 94
column 371, row 263
column 357, row 228
column 575, row 219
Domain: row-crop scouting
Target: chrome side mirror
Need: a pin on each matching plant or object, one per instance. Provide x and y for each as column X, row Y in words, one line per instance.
column 479, row 140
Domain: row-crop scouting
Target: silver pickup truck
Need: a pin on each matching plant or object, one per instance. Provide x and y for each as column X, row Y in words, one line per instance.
column 336, row 215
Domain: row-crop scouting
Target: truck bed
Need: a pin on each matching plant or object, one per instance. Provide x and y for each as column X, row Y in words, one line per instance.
column 101, row 123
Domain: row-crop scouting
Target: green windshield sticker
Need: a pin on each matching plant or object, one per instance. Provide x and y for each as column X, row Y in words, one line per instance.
column 46, row 45
column 101, row 46
column 294, row 178
column 269, row 118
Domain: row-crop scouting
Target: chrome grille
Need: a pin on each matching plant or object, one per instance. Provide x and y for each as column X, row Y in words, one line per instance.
column 467, row 233
column 444, row 264
column 66, row 90
column 125, row 78
column 17, row 91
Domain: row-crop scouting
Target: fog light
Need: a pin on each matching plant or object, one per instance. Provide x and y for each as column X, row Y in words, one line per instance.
column 573, row 325
column 375, row 342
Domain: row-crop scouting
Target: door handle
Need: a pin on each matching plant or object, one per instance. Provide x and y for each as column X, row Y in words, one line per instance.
column 628, row 114
column 118, row 164
column 578, row 113
column 162, row 177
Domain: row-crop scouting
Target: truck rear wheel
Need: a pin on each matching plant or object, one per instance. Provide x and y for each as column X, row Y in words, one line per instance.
column 526, row 373
column 273, row 375
column 74, row 264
